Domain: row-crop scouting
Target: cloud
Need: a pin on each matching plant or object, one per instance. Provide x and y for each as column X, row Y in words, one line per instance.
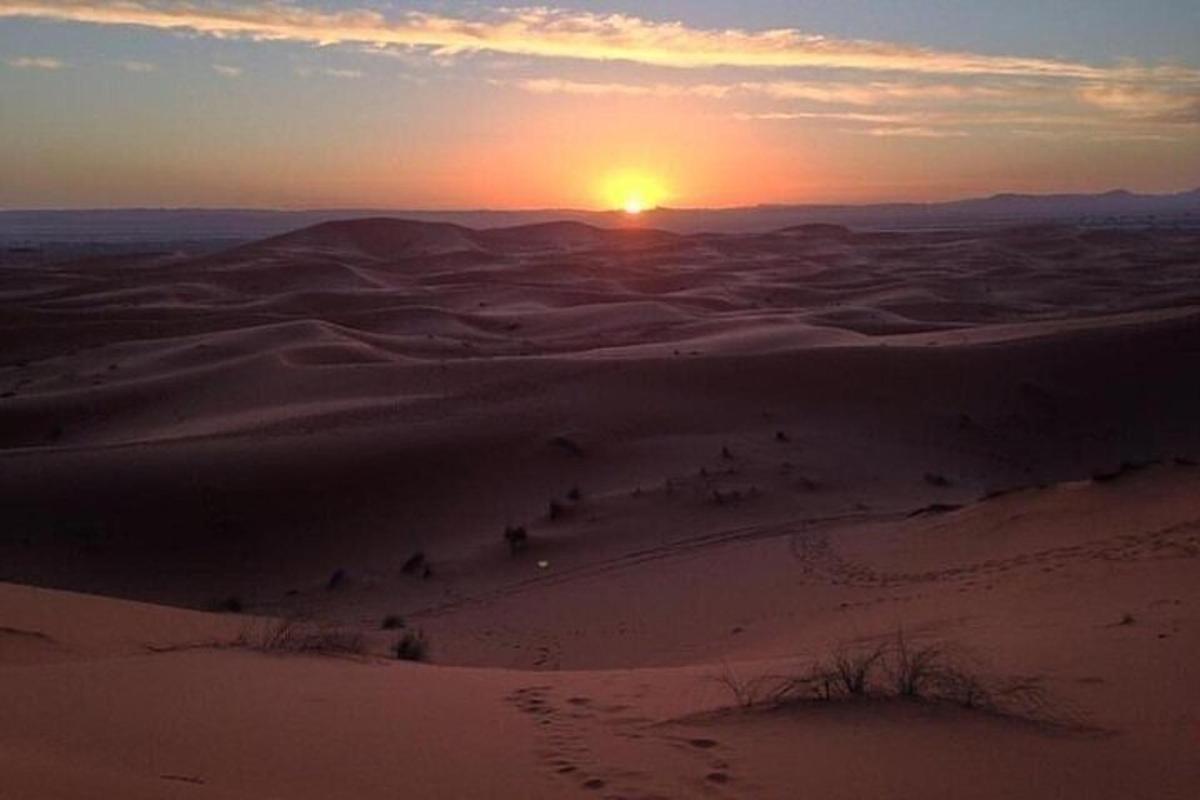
column 1136, row 137
column 589, row 89
column 28, row 62
column 1145, row 102
column 854, row 94
column 842, row 116
column 308, row 72
column 227, row 71
column 912, row 132
column 138, row 66
column 874, row 93
column 555, row 33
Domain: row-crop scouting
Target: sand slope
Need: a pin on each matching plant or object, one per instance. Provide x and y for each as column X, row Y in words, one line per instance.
column 149, row 702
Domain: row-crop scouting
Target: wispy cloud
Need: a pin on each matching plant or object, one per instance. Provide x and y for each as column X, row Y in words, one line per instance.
column 847, row 93
column 1136, row 137
column 227, row 71
column 1013, row 120
column 1152, row 103
column 841, row 116
column 138, row 66
column 31, row 62
column 569, row 34
column 308, row 72
column 594, row 89
column 911, row 132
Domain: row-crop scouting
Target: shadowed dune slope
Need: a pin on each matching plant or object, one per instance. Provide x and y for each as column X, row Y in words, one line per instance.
column 312, row 401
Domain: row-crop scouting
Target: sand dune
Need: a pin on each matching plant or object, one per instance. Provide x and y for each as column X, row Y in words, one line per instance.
column 782, row 444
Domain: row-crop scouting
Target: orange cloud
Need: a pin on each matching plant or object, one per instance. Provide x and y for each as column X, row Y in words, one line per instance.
column 1146, row 102
column 913, row 132
column 855, row 94
column 594, row 89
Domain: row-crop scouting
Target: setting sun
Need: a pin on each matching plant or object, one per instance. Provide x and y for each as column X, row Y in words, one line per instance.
column 632, row 191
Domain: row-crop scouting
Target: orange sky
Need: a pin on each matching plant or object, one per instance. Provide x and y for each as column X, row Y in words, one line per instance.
column 468, row 106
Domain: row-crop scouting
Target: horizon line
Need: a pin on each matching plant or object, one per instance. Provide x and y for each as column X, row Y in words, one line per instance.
column 568, row 210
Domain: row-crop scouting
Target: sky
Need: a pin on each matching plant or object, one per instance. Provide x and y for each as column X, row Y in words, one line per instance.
column 572, row 104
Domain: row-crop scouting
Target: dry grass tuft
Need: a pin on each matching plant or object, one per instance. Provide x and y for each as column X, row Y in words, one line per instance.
column 902, row 670
column 412, row 646
column 291, row 636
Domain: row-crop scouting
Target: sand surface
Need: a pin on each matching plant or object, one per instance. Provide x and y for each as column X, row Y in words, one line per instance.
column 734, row 457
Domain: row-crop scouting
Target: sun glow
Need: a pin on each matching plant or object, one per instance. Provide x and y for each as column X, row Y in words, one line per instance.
column 631, row 191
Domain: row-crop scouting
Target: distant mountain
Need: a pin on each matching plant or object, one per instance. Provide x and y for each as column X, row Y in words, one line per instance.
column 231, row 226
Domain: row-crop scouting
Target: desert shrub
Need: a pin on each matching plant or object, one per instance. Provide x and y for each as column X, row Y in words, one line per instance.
column 963, row 687
column 760, row 690
column 414, row 563
column 935, row 479
column 232, row 604
column 741, row 690
column 914, row 670
column 847, row 673
column 517, row 539
column 852, row 670
column 1122, row 469
column 411, row 647
column 934, row 508
column 773, row 690
column 337, row 580
column 555, row 510
column 391, row 622
column 291, row 636
column 575, row 495
column 568, row 446
column 901, row 670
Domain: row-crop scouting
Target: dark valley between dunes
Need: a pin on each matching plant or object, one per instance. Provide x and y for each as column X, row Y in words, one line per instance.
column 394, row 508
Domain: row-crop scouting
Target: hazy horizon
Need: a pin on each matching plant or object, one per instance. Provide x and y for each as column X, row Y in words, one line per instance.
column 590, row 211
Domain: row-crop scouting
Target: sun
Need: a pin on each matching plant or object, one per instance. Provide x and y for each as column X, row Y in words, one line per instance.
column 633, row 191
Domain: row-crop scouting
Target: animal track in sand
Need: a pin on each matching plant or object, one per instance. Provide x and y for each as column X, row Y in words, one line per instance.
column 574, row 746
column 819, row 558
